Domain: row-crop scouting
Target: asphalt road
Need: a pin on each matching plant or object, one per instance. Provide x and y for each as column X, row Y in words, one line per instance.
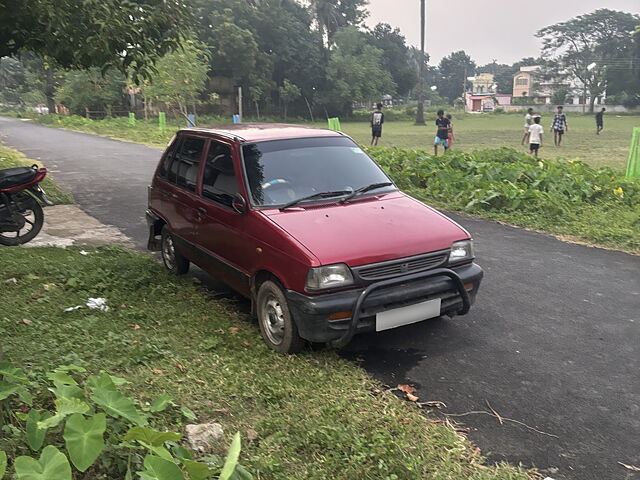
column 553, row 341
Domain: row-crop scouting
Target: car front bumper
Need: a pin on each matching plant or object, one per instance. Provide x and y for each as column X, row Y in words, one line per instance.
column 456, row 288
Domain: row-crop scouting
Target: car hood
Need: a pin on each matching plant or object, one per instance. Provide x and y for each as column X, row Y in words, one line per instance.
column 369, row 230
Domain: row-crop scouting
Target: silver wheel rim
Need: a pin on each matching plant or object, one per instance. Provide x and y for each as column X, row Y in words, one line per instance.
column 30, row 221
column 272, row 317
column 169, row 253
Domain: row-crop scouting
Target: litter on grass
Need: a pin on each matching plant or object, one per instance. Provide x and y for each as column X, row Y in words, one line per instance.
column 99, row 303
column 93, row 303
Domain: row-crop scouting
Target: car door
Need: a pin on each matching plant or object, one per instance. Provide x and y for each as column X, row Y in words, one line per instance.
column 219, row 228
column 178, row 194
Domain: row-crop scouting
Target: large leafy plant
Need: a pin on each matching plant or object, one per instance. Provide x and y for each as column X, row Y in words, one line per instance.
column 95, row 428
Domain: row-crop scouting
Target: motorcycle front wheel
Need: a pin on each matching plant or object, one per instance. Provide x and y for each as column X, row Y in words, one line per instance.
column 33, row 220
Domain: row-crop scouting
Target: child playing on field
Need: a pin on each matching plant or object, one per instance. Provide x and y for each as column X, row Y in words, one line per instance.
column 442, row 134
column 450, row 136
column 535, row 136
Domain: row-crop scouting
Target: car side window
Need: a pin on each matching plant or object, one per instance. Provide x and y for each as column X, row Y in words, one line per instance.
column 219, row 181
column 183, row 171
column 166, row 161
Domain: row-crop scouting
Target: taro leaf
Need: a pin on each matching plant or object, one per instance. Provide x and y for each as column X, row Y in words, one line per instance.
column 160, row 469
column 53, row 465
column 196, row 470
column 64, row 408
column 160, row 451
column 3, row 464
column 13, row 373
column 84, row 439
column 68, row 391
column 188, row 413
column 232, row 458
column 240, row 473
column 25, row 396
column 161, row 403
column 151, row 437
column 116, row 404
column 35, row 435
column 7, row 389
column 101, row 382
column 61, row 378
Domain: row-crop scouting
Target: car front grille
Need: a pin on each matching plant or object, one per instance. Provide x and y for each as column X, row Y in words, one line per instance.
column 402, row 266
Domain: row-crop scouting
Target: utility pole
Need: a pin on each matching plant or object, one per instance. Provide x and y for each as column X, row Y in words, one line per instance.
column 421, row 74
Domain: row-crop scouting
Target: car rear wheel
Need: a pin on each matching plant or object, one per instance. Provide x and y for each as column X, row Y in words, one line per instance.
column 172, row 259
column 278, row 328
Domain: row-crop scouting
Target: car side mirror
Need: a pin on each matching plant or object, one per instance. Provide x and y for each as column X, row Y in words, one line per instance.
column 238, row 203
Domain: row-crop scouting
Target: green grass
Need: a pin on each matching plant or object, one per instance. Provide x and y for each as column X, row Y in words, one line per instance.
column 317, row 416
column 472, row 131
column 10, row 158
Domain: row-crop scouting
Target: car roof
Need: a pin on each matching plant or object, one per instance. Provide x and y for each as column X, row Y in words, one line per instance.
column 257, row 132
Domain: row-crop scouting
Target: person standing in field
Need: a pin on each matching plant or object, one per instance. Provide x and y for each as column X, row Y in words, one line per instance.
column 559, row 126
column 442, row 133
column 377, row 119
column 528, row 121
column 600, row 121
column 535, row 136
column 450, row 137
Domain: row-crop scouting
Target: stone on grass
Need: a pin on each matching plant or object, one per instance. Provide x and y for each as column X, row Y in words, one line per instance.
column 201, row 436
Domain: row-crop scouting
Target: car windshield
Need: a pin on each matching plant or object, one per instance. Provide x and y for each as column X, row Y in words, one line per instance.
column 282, row 171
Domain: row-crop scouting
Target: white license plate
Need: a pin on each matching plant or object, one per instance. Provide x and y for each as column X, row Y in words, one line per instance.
column 406, row 315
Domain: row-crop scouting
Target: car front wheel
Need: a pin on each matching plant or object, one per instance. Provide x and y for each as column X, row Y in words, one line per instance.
column 278, row 328
column 172, row 259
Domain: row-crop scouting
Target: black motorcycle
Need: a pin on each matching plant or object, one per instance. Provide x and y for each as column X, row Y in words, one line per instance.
column 21, row 201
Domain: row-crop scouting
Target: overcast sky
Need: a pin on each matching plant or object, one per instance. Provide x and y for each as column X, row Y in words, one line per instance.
column 500, row 29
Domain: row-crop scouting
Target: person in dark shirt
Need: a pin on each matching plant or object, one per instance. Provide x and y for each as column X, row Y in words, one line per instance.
column 377, row 119
column 600, row 121
column 442, row 134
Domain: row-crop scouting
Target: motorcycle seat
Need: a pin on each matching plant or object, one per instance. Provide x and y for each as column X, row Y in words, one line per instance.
column 11, row 177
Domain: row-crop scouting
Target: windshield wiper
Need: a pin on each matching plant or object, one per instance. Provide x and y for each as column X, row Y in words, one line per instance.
column 329, row 194
column 366, row 188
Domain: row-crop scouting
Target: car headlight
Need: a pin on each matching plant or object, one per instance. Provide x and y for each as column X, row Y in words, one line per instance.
column 461, row 252
column 329, row 276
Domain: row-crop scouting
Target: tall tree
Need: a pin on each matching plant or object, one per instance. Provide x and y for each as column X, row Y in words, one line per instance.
column 355, row 72
column 585, row 46
column 81, row 89
column 331, row 15
column 180, row 79
column 395, row 57
column 454, row 69
column 126, row 34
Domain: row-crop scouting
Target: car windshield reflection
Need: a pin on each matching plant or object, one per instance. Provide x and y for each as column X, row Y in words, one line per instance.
column 282, row 171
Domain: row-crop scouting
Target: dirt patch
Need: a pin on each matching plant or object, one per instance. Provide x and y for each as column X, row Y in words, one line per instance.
column 66, row 225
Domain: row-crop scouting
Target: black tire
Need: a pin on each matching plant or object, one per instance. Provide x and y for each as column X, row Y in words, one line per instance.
column 277, row 326
column 36, row 226
column 172, row 259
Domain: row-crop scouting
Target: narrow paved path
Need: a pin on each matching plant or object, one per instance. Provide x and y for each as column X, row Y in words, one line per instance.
column 553, row 341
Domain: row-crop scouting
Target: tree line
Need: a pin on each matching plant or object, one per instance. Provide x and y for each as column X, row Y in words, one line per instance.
column 292, row 58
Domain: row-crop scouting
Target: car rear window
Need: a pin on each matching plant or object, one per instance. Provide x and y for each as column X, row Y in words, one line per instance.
column 283, row 170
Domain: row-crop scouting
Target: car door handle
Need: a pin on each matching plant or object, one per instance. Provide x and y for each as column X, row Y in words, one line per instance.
column 202, row 211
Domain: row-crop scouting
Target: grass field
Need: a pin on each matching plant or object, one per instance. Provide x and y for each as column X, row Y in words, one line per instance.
column 610, row 148
column 472, row 131
column 312, row 416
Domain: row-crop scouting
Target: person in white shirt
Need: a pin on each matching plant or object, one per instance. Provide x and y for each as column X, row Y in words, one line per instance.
column 535, row 136
column 528, row 121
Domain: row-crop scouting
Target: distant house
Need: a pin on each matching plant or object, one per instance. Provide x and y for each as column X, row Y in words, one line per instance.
column 481, row 95
column 530, row 83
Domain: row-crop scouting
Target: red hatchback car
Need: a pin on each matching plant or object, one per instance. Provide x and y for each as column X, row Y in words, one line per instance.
column 305, row 224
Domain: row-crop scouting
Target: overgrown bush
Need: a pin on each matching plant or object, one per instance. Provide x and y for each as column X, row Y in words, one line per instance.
column 94, row 427
column 503, row 183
